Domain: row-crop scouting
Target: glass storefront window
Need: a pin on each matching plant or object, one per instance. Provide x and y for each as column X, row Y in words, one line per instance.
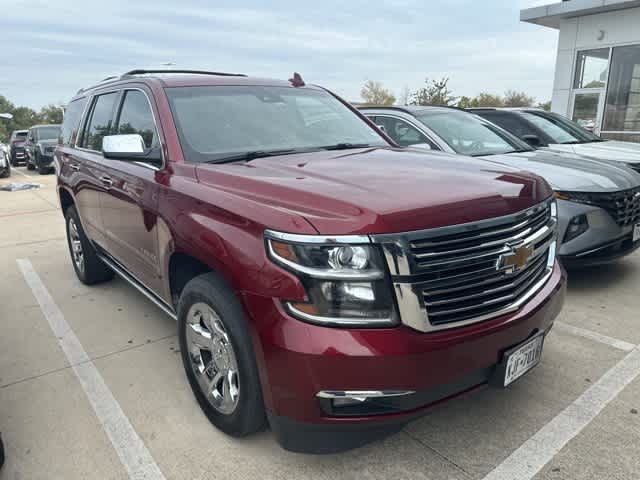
column 585, row 110
column 591, row 68
column 622, row 110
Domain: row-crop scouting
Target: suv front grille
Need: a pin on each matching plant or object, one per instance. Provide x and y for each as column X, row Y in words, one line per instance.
column 469, row 273
column 623, row 206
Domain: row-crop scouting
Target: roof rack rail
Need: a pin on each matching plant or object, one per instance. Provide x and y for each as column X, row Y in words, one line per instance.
column 143, row 71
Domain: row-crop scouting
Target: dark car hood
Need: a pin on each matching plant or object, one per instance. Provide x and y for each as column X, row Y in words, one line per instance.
column 379, row 190
column 569, row 172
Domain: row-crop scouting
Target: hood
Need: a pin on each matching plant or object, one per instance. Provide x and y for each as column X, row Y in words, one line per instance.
column 569, row 172
column 608, row 150
column 380, row 190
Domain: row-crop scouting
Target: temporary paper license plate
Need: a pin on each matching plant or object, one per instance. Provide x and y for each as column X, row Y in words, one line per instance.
column 636, row 232
column 522, row 359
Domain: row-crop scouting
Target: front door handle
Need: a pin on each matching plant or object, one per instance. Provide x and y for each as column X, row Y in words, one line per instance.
column 106, row 181
column 74, row 166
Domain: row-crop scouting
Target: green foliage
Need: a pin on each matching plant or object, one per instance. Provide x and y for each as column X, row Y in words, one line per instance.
column 25, row 117
column 436, row 92
column 517, row 99
column 545, row 105
column 374, row 93
column 481, row 100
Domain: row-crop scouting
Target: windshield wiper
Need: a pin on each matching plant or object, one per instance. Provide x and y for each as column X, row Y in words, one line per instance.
column 345, row 146
column 246, row 156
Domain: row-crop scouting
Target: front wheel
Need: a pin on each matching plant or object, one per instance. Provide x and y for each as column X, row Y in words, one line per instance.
column 218, row 356
column 86, row 263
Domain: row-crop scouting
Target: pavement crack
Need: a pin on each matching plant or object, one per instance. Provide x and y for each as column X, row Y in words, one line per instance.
column 441, row 455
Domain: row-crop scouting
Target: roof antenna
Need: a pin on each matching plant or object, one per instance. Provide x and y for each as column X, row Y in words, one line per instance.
column 297, row 81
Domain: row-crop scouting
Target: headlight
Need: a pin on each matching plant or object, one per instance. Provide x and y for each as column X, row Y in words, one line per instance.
column 346, row 283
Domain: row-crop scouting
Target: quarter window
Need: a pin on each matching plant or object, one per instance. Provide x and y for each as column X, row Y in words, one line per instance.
column 100, row 123
column 403, row 133
column 136, row 117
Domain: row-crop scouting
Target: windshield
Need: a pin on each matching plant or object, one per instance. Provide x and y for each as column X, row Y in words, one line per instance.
column 21, row 135
column 48, row 133
column 220, row 122
column 559, row 128
column 468, row 134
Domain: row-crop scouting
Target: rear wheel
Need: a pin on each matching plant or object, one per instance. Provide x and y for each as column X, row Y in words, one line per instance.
column 89, row 268
column 218, row 356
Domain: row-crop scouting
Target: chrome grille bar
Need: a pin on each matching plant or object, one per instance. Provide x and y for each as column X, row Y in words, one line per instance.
column 455, row 276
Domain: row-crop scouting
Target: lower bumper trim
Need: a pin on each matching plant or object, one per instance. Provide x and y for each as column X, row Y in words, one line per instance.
column 605, row 253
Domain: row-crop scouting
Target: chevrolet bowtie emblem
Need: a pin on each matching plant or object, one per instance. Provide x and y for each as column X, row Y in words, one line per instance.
column 516, row 259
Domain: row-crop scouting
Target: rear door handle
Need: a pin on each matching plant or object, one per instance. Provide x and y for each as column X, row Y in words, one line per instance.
column 106, row 181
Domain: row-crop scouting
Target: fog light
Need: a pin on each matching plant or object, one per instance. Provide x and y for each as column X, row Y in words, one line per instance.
column 577, row 226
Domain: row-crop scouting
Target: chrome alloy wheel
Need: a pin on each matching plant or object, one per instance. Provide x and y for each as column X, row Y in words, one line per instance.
column 76, row 245
column 212, row 358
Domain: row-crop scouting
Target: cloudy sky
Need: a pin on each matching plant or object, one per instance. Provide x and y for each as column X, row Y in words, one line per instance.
column 52, row 48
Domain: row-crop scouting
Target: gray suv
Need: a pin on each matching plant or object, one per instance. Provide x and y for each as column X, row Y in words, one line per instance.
column 41, row 142
column 598, row 200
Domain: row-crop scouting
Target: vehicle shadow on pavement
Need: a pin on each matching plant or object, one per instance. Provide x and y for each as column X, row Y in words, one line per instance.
column 597, row 277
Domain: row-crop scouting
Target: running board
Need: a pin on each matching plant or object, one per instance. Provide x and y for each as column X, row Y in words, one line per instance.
column 113, row 265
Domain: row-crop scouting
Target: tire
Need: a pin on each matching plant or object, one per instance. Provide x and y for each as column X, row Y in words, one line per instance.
column 30, row 166
column 88, row 267
column 42, row 170
column 1, row 452
column 210, row 291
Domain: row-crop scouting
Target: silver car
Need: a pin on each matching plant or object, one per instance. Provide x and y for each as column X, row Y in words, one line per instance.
column 598, row 201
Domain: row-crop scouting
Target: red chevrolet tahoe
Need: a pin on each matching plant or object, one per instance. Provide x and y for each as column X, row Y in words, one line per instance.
column 323, row 279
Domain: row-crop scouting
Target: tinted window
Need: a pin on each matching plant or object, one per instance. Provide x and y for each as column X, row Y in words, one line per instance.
column 136, row 117
column 511, row 122
column 469, row 135
column 21, row 135
column 215, row 122
column 100, row 123
column 622, row 112
column 557, row 133
column 568, row 126
column 403, row 133
column 71, row 121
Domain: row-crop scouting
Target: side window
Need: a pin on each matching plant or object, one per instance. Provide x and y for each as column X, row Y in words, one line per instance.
column 402, row 132
column 136, row 117
column 99, row 124
column 512, row 123
column 70, row 124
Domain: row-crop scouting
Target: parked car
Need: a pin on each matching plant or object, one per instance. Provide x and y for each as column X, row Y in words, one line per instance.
column 41, row 142
column 598, row 201
column 17, row 154
column 321, row 277
column 5, row 164
column 552, row 131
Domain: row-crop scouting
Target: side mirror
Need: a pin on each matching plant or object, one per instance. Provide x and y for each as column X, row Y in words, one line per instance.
column 533, row 140
column 129, row 147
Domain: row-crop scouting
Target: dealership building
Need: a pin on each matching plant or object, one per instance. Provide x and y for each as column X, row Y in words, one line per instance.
column 597, row 78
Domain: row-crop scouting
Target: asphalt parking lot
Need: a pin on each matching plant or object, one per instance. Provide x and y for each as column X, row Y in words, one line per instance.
column 574, row 417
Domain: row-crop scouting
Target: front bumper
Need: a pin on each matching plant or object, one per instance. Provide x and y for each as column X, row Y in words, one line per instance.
column 604, row 240
column 297, row 360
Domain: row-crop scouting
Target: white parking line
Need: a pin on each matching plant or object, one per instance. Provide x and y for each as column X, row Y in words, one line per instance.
column 598, row 337
column 535, row 453
column 132, row 451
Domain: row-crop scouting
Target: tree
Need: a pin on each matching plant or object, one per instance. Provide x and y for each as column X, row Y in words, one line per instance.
column 545, row 106
column 375, row 94
column 481, row 100
column 436, row 92
column 517, row 99
column 50, row 114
